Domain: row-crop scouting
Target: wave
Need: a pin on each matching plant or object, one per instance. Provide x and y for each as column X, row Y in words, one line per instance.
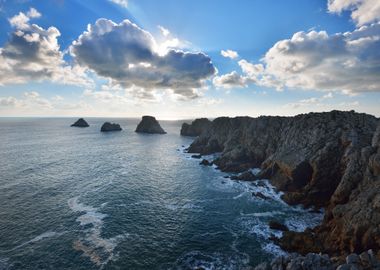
column 4, row 264
column 38, row 238
column 98, row 249
column 191, row 206
column 211, row 261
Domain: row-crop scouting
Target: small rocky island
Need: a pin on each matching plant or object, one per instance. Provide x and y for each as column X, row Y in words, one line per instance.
column 329, row 160
column 80, row 123
column 107, row 127
column 150, row 125
column 196, row 127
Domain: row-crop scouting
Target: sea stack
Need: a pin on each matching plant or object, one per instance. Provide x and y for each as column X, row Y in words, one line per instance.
column 80, row 123
column 150, row 125
column 196, row 128
column 107, row 126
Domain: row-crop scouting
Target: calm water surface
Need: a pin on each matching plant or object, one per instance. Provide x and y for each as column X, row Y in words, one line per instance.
column 76, row 198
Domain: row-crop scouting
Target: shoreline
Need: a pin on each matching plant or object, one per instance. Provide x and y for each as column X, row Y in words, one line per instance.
column 331, row 139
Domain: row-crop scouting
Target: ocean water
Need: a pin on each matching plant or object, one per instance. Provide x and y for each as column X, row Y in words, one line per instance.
column 76, row 198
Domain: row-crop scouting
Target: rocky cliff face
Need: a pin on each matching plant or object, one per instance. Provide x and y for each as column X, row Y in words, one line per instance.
column 329, row 160
column 149, row 124
column 196, row 128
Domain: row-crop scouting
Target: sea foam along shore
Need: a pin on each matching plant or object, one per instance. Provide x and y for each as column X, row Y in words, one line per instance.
column 327, row 159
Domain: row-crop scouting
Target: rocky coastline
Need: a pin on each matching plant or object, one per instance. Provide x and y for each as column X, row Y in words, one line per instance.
column 329, row 160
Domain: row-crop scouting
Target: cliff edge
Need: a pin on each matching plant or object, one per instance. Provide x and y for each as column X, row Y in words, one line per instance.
column 329, row 160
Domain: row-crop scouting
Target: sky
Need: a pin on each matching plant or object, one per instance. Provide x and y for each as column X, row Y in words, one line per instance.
column 186, row 59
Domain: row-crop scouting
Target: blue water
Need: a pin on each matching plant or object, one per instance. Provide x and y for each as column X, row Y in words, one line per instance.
column 76, row 198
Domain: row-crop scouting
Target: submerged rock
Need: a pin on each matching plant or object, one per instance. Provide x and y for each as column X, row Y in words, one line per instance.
column 150, row 125
column 196, row 128
column 329, row 160
column 275, row 225
column 107, row 126
column 245, row 176
column 260, row 195
column 205, row 162
column 80, row 123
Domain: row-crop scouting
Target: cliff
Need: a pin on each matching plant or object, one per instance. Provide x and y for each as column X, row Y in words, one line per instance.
column 196, row 128
column 150, row 125
column 329, row 160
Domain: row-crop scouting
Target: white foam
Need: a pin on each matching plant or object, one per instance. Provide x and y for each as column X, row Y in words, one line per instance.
column 176, row 207
column 212, row 261
column 100, row 250
column 255, row 171
column 307, row 220
column 38, row 238
column 264, row 214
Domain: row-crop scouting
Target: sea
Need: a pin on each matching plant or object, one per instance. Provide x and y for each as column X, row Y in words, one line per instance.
column 77, row 198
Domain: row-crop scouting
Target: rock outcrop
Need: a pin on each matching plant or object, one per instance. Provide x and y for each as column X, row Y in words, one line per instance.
column 150, row 125
column 107, row 126
column 196, row 128
column 80, row 123
column 313, row 261
column 329, row 160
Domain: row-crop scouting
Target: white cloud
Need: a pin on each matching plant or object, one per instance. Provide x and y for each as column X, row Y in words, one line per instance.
column 209, row 101
column 309, row 101
column 33, row 13
column 130, row 56
column 362, row 11
column 122, row 3
column 347, row 62
column 33, row 53
column 9, row 102
column 165, row 32
column 229, row 80
column 229, row 54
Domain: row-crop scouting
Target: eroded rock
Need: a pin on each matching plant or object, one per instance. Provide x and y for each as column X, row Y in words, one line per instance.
column 150, row 125
column 329, row 160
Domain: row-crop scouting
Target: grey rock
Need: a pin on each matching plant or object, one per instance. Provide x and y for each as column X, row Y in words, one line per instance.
column 107, row 127
column 205, row 162
column 352, row 258
column 263, row 266
column 329, row 160
column 196, row 128
column 80, row 123
column 150, row 125
column 344, row 267
column 275, row 225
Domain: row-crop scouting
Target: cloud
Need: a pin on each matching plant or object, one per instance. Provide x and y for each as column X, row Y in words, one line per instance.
column 209, row 101
column 229, row 54
column 31, row 99
column 33, row 53
column 130, row 56
column 310, row 101
column 9, row 102
column 165, row 32
column 122, row 3
column 229, row 80
column 348, row 62
column 362, row 11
